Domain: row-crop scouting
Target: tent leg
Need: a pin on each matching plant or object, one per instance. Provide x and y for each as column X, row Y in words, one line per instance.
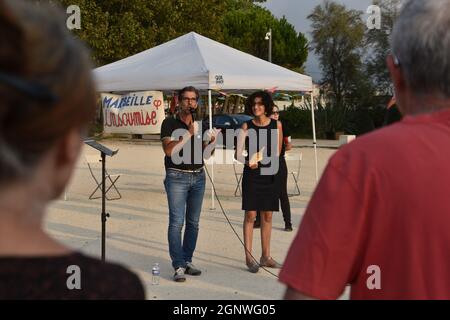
column 213, row 156
column 314, row 136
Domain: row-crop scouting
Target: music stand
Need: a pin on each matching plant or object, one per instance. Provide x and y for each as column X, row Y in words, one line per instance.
column 104, row 151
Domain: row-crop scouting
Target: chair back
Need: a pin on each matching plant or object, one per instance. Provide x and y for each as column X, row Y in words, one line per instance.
column 297, row 158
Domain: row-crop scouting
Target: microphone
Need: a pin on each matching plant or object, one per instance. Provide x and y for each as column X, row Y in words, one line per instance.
column 193, row 113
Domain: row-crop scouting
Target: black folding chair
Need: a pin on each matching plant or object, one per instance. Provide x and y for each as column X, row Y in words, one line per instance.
column 297, row 158
column 238, row 168
column 93, row 161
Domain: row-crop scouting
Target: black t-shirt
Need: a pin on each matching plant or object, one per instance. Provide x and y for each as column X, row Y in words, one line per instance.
column 195, row 161
column 286, row 133
column 46, row 278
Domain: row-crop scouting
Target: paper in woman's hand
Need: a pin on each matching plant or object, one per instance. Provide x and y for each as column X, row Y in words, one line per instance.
column 257, row 157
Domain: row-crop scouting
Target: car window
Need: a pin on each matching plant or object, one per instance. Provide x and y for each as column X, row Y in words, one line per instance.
column 241, row 118
column 224, row 120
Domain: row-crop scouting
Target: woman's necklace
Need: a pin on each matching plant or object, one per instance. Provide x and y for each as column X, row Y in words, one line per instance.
column 260, row 122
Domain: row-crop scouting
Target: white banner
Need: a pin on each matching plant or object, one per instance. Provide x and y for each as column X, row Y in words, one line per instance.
column 133, row 113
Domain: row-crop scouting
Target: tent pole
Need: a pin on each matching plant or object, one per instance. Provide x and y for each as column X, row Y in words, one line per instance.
column 314, row 135
column 213, row 156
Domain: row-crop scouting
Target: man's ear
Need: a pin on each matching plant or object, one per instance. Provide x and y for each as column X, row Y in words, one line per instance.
column 396, row 73
column 400, row 85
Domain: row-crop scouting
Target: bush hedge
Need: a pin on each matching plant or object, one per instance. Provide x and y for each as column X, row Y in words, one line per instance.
column 328, row 122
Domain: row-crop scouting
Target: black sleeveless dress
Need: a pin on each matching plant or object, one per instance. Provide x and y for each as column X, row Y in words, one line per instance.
column 260, row 192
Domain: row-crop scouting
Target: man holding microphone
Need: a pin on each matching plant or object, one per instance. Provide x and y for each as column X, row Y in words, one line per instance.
column 185, row 180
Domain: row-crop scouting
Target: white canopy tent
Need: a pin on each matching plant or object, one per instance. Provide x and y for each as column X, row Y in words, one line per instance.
column 198, row 61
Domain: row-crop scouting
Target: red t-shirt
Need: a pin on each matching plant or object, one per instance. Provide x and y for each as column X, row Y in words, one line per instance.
column 384, row 201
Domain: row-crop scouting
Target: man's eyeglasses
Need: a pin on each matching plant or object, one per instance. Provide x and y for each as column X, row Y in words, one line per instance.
column 275, row 112
column 33, row 90
column 189, row 99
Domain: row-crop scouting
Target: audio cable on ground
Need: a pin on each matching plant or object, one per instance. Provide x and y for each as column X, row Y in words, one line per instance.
column 232, row 228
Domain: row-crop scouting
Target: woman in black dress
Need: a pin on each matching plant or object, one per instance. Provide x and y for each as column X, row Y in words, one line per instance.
column 262, row 140
column 284, row 197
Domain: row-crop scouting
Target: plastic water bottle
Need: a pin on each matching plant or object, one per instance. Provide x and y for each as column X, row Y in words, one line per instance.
column 155, row 274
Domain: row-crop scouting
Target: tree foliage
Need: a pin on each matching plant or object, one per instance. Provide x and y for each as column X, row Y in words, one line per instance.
column 245, row 29
column 353, row 60
column 338, row 36
column 115, row 29
column 378, row 45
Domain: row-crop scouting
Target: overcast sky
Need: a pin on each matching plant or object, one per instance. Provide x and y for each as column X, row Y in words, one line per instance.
column 296, row 12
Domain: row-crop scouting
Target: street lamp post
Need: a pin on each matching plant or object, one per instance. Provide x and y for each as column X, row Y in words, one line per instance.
column 269, row 37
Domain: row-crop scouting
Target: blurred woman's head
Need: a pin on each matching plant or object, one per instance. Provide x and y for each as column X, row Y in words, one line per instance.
column 47, row 96
column 275, row 113
column 259, row 103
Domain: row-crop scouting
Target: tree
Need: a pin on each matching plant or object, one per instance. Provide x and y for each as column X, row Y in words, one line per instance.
column 379, row 46
column 245, row 29
column 174, row 18
column 291, row 48
column 338, row 40
column 115, row 29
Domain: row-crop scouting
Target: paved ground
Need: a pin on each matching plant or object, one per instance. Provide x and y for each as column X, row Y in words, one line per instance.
column 137, row 228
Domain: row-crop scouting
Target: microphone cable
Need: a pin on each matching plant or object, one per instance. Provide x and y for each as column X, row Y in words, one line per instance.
column 232, row 228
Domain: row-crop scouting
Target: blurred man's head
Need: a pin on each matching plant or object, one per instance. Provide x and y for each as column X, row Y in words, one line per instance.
column 420, row 59
column 47, row 96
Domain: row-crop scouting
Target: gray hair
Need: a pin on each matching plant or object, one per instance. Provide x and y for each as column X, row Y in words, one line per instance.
column 421, row 42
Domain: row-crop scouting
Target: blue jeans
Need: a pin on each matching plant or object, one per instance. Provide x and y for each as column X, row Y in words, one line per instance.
column 185, row 192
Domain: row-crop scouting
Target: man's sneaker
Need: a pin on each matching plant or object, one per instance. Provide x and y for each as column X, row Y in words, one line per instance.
column 179, row 275
column 192, row 270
